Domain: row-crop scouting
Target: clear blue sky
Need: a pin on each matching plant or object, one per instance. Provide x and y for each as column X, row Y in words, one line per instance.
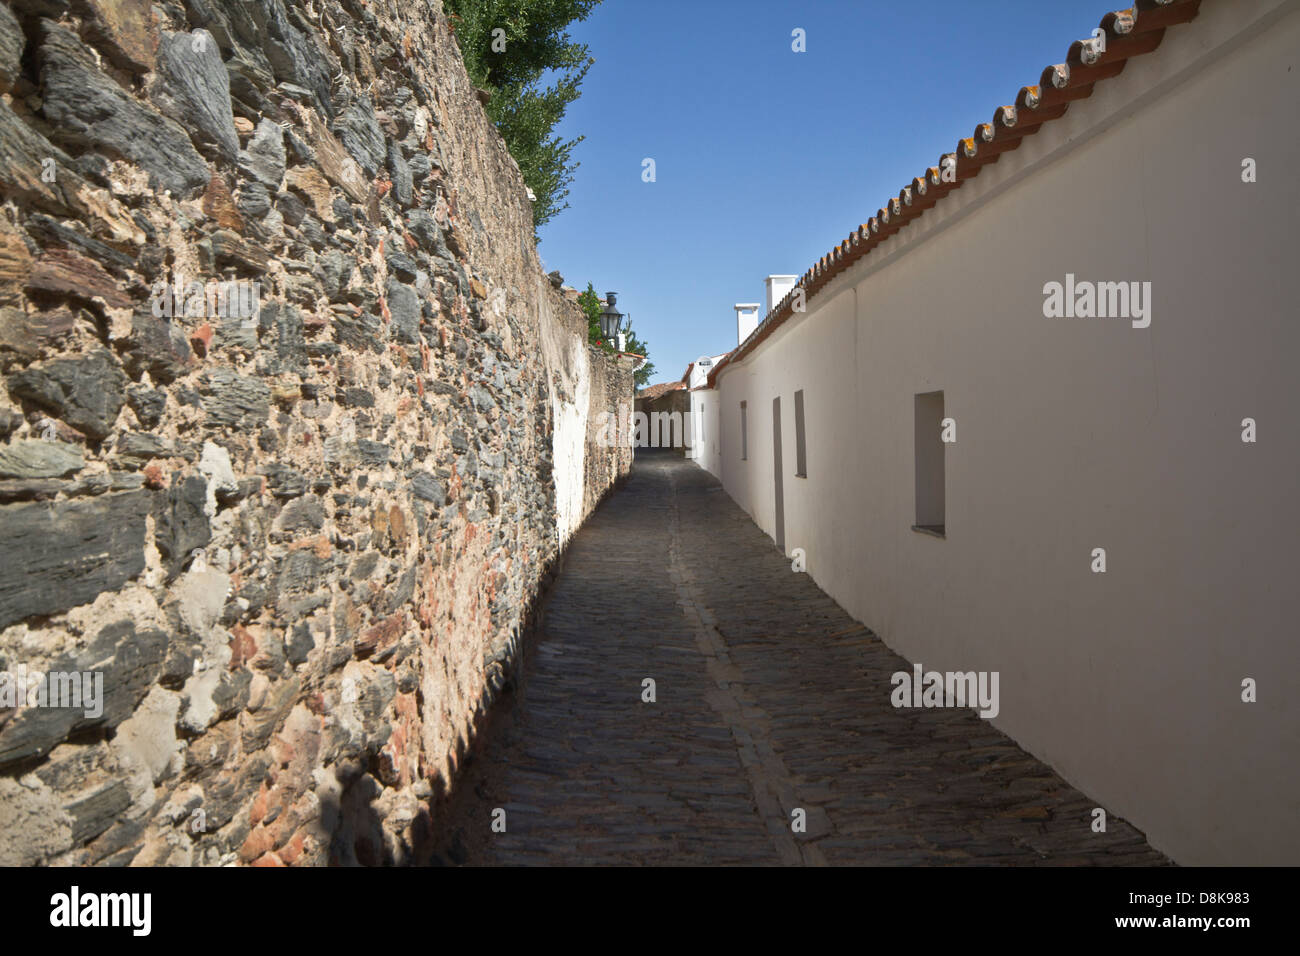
column 765, row 158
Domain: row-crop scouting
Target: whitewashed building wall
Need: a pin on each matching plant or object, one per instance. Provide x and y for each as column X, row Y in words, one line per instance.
column 1082, row 433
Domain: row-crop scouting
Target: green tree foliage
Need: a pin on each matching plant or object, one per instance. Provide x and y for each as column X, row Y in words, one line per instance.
column 637, row 347
column 591, row 305
column 533, row 72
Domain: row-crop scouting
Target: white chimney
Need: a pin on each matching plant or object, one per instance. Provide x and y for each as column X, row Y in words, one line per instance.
column 746, row 319
column 777, row 288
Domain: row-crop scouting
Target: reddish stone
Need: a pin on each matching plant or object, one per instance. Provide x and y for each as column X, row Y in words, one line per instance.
column 243, row 647
column 15, row 264
column 126, row 30
column 406, row 706
column 320, row 544
column 258, row 843
column 308, row 181
column 267, row 859
column 64, row 272
column 391, row 758
column 257, row 809
column 285, row 824
column 219, row 204
column 154, row 476
column 292, row 850
column 382, row 636
column 282, row 752
column 333, row 158
column 200, row 339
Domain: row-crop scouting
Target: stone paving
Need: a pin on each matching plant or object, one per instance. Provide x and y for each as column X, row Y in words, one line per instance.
column 769, row 697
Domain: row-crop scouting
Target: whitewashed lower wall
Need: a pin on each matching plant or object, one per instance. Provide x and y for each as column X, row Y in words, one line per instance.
column 1075, row 434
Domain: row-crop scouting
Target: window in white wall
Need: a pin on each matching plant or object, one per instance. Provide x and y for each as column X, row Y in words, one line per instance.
column 930, row 517
column 744, row 431
column 800, row 450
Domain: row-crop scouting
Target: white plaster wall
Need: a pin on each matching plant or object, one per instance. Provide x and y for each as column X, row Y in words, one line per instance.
column 1074, row 434
column 708, row 451
column 565, row 355
column 706, row 433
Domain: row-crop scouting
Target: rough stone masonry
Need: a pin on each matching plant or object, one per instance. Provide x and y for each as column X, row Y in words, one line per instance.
column 300, row 545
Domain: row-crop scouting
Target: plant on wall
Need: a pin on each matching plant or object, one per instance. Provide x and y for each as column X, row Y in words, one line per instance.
column 592, row 306
column 509, row 48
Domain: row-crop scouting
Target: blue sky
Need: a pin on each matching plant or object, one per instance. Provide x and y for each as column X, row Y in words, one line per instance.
column 765, row 158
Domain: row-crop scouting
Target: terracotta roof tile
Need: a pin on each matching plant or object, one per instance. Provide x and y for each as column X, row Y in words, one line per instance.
column 661, row 389
column 1129, row 33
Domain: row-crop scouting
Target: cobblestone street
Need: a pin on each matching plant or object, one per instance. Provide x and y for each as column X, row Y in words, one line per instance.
column 769, row 697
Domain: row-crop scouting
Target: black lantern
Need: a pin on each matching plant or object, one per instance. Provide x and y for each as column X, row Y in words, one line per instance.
column 610, row 319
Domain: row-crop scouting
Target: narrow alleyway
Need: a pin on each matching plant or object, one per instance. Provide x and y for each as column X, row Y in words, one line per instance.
column 769, row 697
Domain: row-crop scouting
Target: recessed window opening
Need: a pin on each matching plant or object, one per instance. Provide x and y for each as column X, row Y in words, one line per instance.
column 744, row 431
column 800, row 448
column 929, row 445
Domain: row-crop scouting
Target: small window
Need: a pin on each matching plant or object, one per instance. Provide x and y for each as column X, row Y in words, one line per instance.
column 744, row 431
column 800, row 450
column 929, row 464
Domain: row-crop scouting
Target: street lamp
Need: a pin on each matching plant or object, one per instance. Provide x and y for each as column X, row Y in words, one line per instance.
column 610, row 319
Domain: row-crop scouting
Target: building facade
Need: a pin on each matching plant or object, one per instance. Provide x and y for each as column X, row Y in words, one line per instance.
column 661, row 417
column 705, row 437
column 1043, row 426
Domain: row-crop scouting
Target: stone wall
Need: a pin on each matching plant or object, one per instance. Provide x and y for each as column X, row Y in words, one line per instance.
column 670, row 429
column 300, row 543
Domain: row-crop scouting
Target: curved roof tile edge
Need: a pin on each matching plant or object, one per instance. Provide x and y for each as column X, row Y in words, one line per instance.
column 1130, row 32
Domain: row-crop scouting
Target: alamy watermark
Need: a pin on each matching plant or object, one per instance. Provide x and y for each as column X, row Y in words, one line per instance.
column 76, row 909
column 77, row 690
column 948, row 689
column 626, row 428
column 1102, row 300
column 215, row 298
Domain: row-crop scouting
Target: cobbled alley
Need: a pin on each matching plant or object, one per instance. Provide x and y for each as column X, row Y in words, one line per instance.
column 768, row 699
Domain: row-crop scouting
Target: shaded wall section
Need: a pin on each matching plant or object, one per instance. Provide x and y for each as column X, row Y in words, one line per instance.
column 299, row 541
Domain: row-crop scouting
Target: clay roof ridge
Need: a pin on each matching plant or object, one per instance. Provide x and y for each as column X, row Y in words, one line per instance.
column 660, row 388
